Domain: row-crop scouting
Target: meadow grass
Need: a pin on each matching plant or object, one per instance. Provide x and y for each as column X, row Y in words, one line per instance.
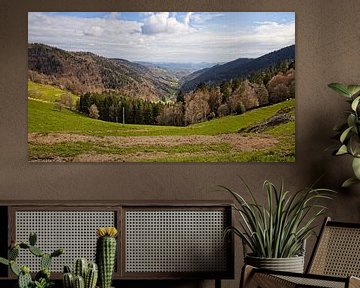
column 44, row 118
column 47, row 93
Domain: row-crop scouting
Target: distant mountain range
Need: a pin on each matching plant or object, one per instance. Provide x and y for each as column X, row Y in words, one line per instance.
column 178, row 70
column 82, row 72
column 240, row 67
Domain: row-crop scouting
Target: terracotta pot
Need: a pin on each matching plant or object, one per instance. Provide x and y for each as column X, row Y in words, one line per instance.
column 291, row 264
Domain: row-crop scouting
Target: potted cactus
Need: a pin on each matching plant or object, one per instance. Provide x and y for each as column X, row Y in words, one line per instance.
column 42, row 278
column 106, row 254
column 84, row 275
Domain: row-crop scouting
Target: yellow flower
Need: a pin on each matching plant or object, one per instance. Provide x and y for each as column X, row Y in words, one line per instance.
column 106, row 231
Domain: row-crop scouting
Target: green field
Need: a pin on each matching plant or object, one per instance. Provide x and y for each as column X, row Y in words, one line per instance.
column 69, row 136
column 47, row 93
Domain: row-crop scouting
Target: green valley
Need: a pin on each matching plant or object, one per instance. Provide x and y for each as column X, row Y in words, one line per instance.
column 66, row 135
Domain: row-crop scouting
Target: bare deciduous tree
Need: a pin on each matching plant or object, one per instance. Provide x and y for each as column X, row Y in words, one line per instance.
column 93, row 112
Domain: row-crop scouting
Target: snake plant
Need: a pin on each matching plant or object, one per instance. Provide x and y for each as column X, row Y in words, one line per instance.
column 279, row 228
column 349, row 132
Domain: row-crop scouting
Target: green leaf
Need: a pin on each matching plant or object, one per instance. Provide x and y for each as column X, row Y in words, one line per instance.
column 355, row 103
column 13, row 253
column 351, row 120
column 340, row 88
column 356, row 167
column 354, row 145
column 14, row 268
column 345, row 134
column 349, row 182
column 353, row 89
column 342, row 150
column 4, row 261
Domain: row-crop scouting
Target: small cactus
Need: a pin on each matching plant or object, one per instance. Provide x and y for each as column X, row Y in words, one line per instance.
column 80, row 267
column 24, row 280
column 68, row 280
column 36, row 251
column 106, row 254
column 45, row 261
column 91, row 276
column 32, row 239
column 23, row 273
column 13, row 253
column 79, row 282
column 89, row 272
column 14, row 268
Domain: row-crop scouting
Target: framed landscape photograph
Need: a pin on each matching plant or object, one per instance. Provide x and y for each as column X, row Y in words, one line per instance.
column 161, row 86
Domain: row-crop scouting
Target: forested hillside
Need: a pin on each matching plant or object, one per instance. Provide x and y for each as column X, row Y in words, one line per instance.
column 239, row 68
column 81, row 72
column 117, row 90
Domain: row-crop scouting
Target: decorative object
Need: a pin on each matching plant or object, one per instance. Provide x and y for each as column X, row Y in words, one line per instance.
column 85, row 275
column 106, row 254
column 279, row 229
column 349, row 132
column 42, row 278
column 194, row 100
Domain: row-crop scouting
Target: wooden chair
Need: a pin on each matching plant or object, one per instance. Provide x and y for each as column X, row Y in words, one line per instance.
column 334, row 263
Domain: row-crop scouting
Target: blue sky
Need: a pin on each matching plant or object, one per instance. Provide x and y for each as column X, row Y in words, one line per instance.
column 165, row 36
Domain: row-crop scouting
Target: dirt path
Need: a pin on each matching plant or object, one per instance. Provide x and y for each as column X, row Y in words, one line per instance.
column 238, row 143
column 241, row 142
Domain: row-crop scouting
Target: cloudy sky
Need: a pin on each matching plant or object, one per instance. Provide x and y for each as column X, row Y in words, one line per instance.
column 165, row 36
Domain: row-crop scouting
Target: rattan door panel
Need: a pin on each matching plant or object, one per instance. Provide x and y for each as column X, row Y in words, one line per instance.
column 72, row 230
column 166, row 242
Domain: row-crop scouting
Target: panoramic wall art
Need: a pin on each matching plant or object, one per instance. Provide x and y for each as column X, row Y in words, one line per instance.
column 161, row 87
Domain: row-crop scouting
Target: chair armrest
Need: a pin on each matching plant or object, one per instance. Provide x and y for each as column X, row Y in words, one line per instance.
column 252, row 277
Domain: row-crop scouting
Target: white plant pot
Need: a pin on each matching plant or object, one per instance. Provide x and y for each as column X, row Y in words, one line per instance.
column 291, row 264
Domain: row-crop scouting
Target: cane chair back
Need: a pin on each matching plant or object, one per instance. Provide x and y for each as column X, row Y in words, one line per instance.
column 337, row 252
column 335, row 262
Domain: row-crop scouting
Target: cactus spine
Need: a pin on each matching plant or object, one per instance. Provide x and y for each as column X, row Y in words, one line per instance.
column 106, row 254
column 80, row 267
column 91, row 276
column 68, row 280
column 84, row 275
column 79, row 282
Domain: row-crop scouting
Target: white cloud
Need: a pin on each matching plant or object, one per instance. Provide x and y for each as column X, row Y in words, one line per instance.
column 200, row 18
column 165, row 37
column 163, row 22
column 93, row 31
column 275, row 32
